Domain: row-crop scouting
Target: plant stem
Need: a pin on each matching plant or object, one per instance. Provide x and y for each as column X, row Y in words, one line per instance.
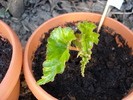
column 73, row 48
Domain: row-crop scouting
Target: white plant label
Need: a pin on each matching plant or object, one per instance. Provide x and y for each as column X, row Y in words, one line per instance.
column 115, row 3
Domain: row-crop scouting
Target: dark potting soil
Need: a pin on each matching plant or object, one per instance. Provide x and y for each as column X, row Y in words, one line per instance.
column 5, row 56
column 108, row 75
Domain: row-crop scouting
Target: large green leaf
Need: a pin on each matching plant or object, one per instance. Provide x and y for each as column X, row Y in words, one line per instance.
column 87, row 40
column 57, row 53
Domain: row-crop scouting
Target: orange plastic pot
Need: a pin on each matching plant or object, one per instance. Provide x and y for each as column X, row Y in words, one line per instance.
column 10, row 85
column 34, row 42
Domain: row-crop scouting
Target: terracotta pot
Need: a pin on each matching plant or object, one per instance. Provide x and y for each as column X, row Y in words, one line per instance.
column 10, row 85
column 34, row 41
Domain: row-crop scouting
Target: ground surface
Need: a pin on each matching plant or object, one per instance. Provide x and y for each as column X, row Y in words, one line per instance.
column 5, row 56
column 38, row 11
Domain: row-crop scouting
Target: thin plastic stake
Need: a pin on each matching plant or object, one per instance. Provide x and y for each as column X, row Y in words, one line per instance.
column 115, row 3
column 103, row 17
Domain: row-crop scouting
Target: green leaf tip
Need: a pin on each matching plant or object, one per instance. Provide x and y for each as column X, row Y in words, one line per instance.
column 59, row 44
column 57, row 53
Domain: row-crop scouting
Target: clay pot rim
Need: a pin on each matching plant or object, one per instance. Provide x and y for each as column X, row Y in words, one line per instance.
column 12, row 76
column 27, row 71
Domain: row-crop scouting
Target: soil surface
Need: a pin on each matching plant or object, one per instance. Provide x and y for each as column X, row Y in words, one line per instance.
column 38, row 11
column 107, row 77
column 5, row 56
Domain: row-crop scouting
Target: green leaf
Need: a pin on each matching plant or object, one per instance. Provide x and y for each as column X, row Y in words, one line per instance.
column 7, row 9
column 77, row 41
column 1, row 13
column 88, row 38
column 57, row 53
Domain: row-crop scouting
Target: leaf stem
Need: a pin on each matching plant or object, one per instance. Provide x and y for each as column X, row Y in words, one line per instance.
column 73, row 48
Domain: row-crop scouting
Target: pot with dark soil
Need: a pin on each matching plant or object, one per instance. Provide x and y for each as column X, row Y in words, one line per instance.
column 106, row 68
column 10, row 63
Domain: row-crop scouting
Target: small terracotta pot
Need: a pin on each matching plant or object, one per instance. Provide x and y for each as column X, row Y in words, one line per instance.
column 34, row 42
column 10, row 85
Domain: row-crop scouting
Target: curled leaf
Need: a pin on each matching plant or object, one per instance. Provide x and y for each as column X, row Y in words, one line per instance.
column 88, row 38
column 57, row 53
